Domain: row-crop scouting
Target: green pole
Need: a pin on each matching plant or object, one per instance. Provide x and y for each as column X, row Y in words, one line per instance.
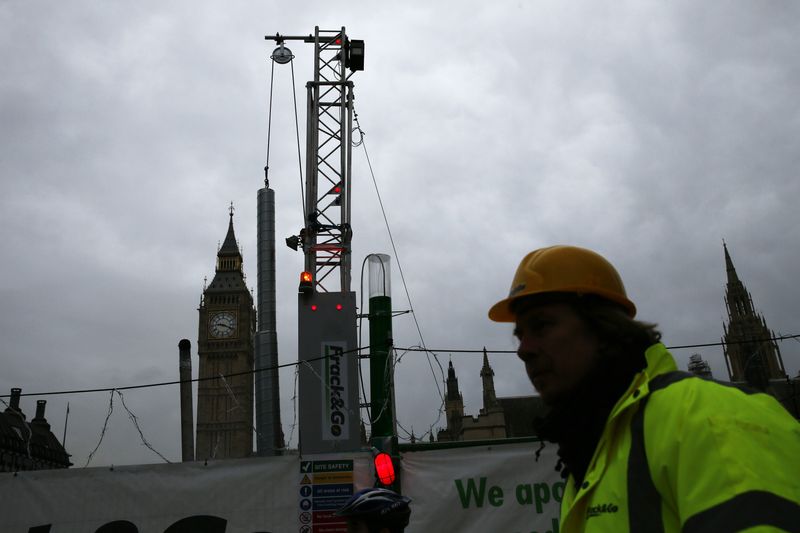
column 380, row 370
column 381, row 373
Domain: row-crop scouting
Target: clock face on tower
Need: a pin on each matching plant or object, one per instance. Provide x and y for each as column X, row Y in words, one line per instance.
column 222, row 325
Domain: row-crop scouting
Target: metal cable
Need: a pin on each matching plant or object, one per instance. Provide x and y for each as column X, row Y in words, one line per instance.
column 236, row 402
column 440, row 391
column 400, row 267
column 683, row 346
column 299, row 156
column 103, row 431
column 135, row 421
column 177, row 382
column 362, row 348
column 294, row 403
column 269, row 123
column 296, row 128
column 360, row 319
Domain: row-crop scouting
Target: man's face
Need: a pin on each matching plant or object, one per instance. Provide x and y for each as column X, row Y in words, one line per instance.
column 557, row 348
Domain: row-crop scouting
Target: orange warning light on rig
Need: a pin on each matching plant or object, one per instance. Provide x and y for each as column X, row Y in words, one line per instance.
column 306, row 282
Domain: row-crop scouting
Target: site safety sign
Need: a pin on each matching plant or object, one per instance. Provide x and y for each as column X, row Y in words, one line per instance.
column 325, row 485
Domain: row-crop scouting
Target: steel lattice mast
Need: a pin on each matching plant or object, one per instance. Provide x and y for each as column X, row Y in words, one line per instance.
column 327, row 233
column 327, row 236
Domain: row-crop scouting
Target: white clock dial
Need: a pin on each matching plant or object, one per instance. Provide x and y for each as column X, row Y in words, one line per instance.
column 222, row 325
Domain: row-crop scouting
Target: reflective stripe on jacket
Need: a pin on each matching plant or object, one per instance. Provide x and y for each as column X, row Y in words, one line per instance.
column 680, row 453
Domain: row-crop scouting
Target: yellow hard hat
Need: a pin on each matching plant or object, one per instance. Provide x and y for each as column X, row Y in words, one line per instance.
column 563, row 269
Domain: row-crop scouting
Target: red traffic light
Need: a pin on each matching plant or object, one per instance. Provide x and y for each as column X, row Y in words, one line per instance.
column 384, row 468
column 339, row 307
column 313, row 307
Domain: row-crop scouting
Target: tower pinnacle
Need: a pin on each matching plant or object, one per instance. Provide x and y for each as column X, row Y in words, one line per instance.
column 731, row 271
column 230, row 247
column 487, row 377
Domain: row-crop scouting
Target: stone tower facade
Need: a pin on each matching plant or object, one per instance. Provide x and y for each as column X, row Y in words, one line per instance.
column 749, row 353
column 225, row 347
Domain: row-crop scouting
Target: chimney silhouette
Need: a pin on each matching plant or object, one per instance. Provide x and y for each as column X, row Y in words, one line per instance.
column 187, row 420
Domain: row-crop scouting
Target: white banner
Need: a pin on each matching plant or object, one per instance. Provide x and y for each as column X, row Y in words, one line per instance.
column 497, row 489
column 231, row 496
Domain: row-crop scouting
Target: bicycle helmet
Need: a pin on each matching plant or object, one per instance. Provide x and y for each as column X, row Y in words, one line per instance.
column 378, row 506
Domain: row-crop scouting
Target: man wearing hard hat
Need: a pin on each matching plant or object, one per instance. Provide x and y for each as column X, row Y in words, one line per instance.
column 644, row 446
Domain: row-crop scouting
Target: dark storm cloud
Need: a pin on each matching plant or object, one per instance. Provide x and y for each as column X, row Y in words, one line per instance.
column 647, row 131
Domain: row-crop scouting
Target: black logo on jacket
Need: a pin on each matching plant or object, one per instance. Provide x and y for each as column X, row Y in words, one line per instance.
column 597, row 510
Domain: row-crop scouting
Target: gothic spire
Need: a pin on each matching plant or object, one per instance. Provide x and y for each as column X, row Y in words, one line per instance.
column 229, row 258
column 750, row 353
column 229, row 245
column 732, row 277
column 486, row 370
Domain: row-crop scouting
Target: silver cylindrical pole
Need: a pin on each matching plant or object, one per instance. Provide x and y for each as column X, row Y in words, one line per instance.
column 269, row 438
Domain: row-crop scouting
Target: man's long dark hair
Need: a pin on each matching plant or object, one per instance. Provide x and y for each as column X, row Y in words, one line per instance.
column 622, row 338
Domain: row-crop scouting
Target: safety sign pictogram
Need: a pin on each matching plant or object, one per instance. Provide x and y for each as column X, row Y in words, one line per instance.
column 324, row 487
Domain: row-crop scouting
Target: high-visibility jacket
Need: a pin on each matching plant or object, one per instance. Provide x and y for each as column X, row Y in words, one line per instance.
column 681, row 453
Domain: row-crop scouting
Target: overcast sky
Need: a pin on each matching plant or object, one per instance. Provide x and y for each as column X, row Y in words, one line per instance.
column 648, row 131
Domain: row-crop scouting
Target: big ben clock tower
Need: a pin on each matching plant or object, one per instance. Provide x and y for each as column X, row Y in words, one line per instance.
column 225, row 348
